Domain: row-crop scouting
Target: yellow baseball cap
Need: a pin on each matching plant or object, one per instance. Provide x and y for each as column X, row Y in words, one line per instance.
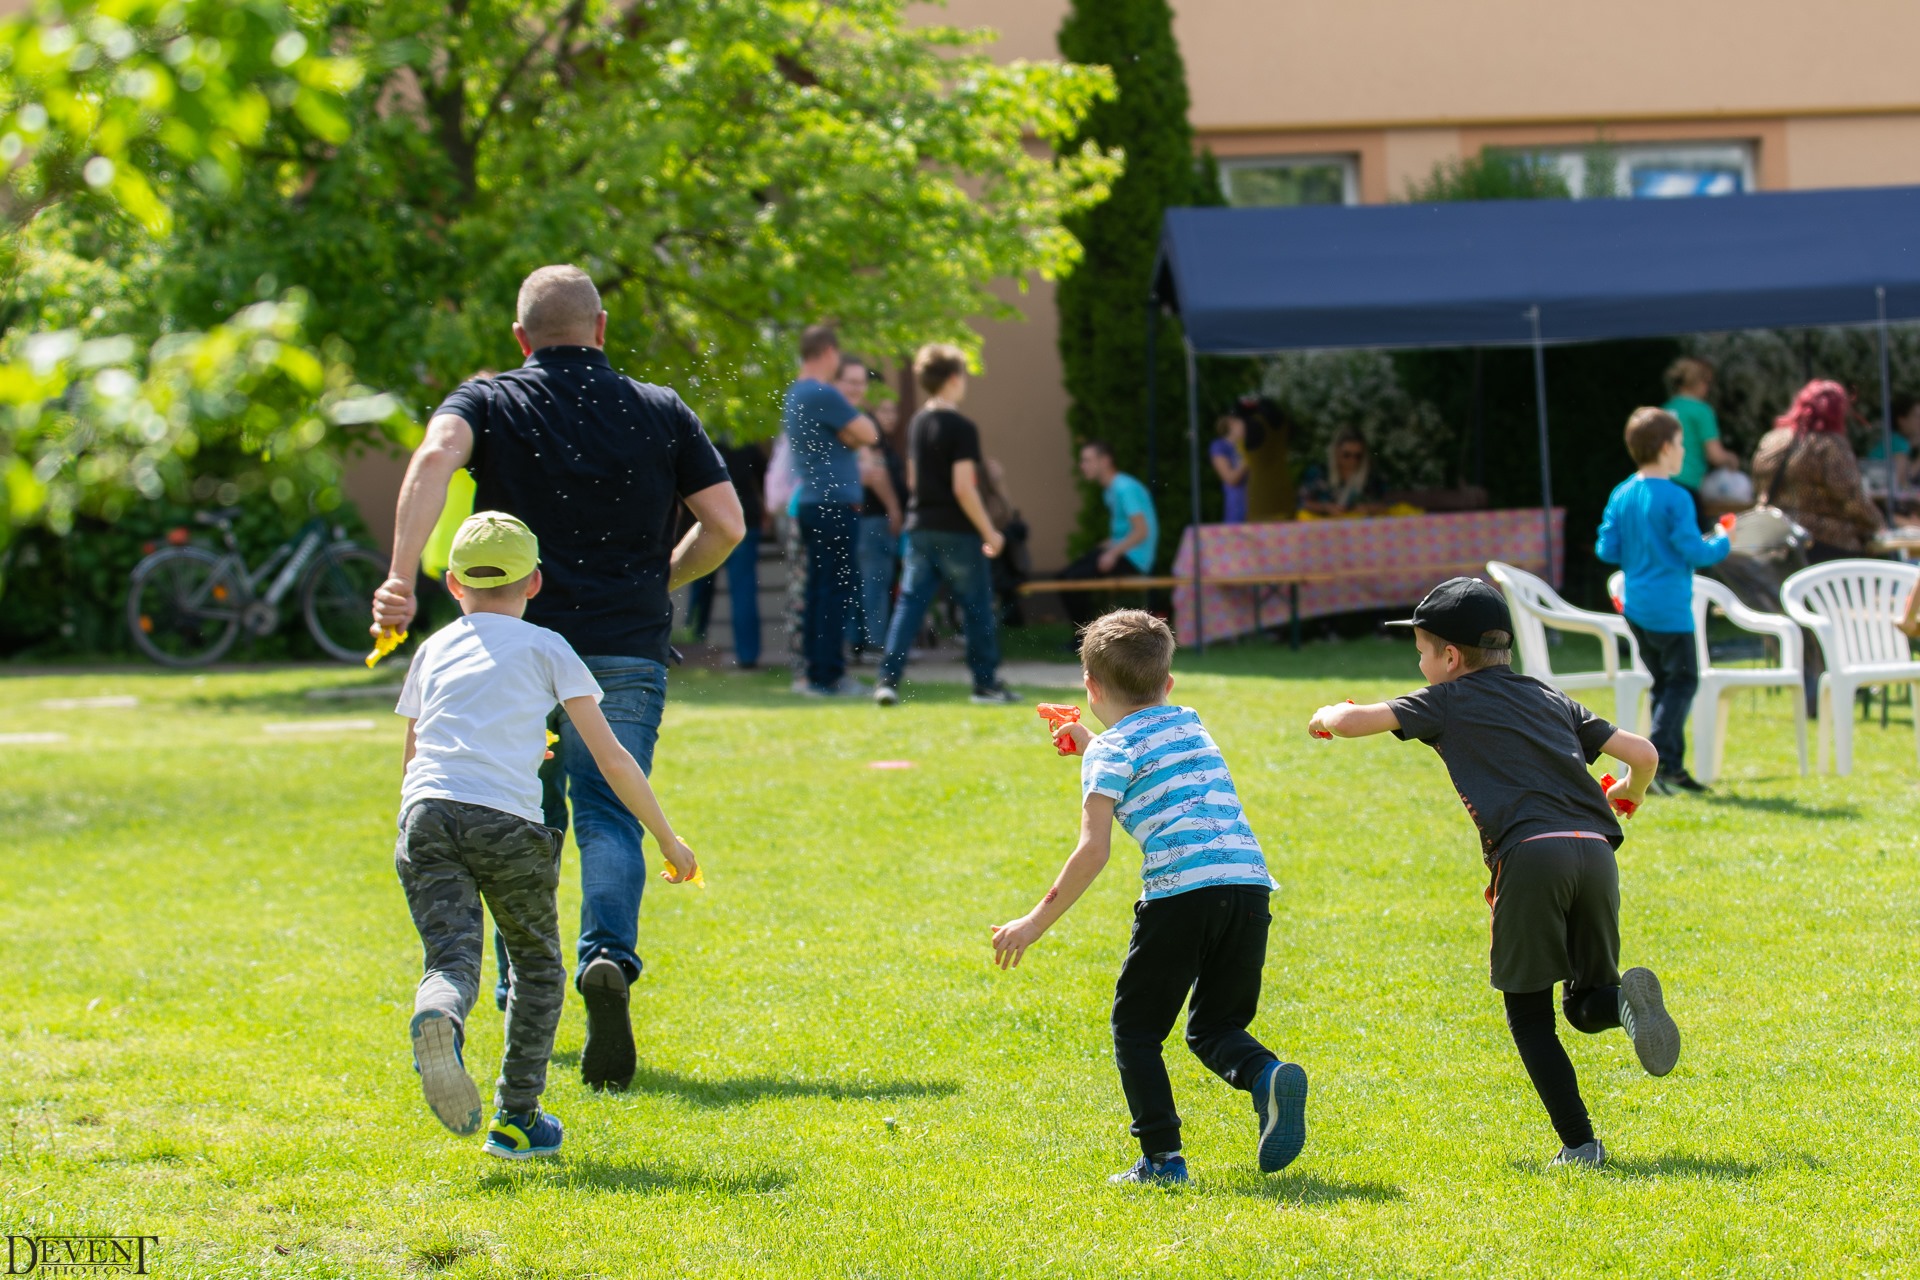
column 491, row 549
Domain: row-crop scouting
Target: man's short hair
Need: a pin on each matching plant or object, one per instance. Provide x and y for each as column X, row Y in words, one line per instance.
column 1648, row 431
column 818, row 339
column 1685, row 370
column 1130, row 652
column 558, row 302
column 1494, row 650
column 1101, row 447
column 935, row 365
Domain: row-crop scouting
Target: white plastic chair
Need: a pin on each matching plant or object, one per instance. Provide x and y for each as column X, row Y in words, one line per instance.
column 1851, row 606
column 1536, row 606
column 1711, row 705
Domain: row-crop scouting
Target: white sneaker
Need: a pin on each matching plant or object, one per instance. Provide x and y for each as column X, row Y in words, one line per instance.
column 847, row 687
column 886, row 695
column 1588, row 1155
column 993, row 695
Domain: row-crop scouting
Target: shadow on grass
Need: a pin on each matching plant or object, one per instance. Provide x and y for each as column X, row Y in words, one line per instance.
column 733, row 1091
column 1780, row 804
column 1299, row 1189
column 1702, row 1168
column 590, row 1173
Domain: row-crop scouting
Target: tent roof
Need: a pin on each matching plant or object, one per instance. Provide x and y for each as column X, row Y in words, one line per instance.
column 1247, row 281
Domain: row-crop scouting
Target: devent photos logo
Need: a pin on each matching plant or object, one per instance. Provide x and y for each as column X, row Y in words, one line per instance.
column 79, row 1255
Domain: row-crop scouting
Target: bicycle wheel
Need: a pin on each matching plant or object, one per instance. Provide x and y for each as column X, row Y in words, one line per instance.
column 183, row 606
column 338, row 599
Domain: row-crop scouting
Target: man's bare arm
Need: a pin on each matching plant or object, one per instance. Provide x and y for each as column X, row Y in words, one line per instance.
column 859, row 433
column 720, row 524
column 966, row 492
column 423, row 495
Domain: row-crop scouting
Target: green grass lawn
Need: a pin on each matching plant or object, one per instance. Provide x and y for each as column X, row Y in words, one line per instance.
column 206, row 970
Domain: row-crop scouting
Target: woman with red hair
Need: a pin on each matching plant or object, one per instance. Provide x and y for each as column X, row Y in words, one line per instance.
column 1805, row 466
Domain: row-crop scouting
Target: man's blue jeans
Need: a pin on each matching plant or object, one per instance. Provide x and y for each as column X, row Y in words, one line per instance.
column 827, row 529
column 876, row 549
column 613, row 866
column 956, row 559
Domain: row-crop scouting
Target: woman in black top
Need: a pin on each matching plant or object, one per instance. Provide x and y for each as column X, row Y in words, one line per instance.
column 949, row 534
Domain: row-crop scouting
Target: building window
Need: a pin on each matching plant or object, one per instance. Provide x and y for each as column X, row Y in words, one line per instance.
column 1287, row 180
column 1652, row 170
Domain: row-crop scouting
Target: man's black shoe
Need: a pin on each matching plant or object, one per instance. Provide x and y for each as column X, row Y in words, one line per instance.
column 1681, row 780
column 607, row 1060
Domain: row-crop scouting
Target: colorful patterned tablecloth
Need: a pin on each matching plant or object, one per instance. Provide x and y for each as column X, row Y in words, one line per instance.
column 1429, row 548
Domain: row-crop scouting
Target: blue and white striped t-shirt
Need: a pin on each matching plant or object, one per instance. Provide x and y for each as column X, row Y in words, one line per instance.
column 1174, row 795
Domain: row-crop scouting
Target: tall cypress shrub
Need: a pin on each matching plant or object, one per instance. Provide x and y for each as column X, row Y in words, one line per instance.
column 1102, row 304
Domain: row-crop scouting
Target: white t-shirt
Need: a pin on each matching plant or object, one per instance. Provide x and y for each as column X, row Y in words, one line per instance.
column 478, row 693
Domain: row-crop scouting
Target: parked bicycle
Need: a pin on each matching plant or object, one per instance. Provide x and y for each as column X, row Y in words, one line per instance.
column 186, row 605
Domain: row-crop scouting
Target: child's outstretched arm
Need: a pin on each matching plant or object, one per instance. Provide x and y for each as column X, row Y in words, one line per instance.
column 623, row 774
column 1345, row 720
column 1641, row 759
column 1089, row 858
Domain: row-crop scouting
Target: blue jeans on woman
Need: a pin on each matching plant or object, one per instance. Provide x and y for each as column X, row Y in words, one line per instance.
column 956, row 559
column 613, row 864
column 743, row 594
column 875, row 549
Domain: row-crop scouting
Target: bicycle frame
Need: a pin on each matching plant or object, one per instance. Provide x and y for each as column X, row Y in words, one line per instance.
column 291, row 558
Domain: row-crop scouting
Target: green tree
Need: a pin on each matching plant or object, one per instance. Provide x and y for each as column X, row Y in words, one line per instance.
column 728, row 171
column 1102, row 303
column 107, row 113
column 1490, row 175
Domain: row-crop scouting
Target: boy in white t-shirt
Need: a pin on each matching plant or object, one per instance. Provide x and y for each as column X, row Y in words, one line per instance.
column 476, row 700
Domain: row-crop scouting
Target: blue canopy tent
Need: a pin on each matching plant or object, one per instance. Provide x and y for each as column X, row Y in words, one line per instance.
column 1258, row 281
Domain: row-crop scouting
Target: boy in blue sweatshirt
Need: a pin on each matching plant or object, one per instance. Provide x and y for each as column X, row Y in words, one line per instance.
column 1649, row 530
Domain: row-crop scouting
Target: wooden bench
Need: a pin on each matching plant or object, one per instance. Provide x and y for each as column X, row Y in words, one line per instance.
column 1261, row 583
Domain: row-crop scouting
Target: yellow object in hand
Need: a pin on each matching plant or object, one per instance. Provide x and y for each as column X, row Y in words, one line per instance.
column 386, row 644
column 699, row 876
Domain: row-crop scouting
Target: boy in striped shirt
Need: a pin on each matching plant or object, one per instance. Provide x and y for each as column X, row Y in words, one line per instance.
column 1200, row 927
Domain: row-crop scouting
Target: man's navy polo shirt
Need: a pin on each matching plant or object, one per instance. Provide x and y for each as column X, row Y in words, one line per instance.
column 595, row 463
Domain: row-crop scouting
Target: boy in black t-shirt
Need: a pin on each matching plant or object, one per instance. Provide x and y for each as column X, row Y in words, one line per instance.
column 1517, row 751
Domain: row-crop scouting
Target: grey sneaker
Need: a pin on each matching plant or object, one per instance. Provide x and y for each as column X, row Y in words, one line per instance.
column 1643, row 1016
column 1589, row 1155
column 846, row 687
column 994, row 695
column 885, row 695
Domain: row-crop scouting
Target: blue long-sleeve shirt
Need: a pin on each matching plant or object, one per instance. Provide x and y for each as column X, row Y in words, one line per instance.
column 1649, row 531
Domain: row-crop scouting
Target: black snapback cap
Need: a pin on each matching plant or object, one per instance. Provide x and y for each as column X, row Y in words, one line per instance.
column 1461, row 611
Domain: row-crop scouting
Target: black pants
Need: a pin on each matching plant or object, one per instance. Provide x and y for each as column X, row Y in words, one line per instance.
column 1204, row 948
column 1084, row 606
column 1530, row 1018
column 1675, row 668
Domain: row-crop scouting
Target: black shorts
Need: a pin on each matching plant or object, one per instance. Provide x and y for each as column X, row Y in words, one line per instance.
column 1556, row 915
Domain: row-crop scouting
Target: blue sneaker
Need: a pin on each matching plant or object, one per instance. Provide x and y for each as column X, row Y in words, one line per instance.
column 1280, row 1101
column 437, row 1060
column 1148, row 1172
column 523, row 1135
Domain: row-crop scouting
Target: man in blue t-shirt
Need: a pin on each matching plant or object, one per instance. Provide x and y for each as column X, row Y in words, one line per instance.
column 1133, row 533
column 1648, row 529
column 825, row 434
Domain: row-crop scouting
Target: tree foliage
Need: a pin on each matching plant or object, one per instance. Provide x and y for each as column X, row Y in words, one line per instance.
column 1102, row 304
column 727, row 170
column 1490, row 175
column 108, row 113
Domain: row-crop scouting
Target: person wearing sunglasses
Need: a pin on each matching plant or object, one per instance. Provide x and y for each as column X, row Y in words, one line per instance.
column 1347, row 485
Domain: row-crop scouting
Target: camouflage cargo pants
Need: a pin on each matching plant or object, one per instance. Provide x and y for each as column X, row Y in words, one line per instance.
column 450, row 857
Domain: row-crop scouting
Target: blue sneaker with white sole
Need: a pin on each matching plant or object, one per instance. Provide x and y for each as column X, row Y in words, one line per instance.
column 1280, row 1101
column 523, row 1135
column 437, row 1044
column 1148, row 1172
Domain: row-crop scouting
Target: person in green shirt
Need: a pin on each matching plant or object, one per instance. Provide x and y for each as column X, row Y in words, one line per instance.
column 1689, row 380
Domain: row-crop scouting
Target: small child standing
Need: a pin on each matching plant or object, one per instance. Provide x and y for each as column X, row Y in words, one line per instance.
column 1649, row 529
column 1200, row 927
column 476, row 700
column 1517, row 751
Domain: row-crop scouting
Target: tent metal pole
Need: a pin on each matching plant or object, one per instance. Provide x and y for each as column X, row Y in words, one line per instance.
column 1153, row 397
column 1193, row 467
column 1886, row 406
column 1546, row 467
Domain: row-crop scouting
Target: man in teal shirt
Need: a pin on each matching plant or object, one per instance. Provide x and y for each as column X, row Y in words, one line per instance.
column 1133, row 532
column 1689, row 381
